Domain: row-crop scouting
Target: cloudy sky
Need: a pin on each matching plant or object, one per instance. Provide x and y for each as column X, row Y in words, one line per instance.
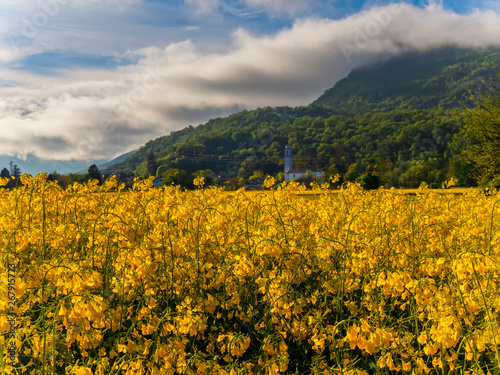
column 84, row 80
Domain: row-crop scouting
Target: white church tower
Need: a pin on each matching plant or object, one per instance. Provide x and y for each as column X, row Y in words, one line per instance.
column 292, row 174
column 288, row 158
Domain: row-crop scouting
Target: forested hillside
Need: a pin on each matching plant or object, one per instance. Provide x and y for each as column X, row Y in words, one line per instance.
column 416, row 80
column 221, row 139
column 392, row 121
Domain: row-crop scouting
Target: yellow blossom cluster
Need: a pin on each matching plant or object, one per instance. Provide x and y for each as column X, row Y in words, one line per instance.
column 103, row 280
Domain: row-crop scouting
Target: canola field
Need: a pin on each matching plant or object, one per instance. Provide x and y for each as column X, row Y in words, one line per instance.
column 99, row 280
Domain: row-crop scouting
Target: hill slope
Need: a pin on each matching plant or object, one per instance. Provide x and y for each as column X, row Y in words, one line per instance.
column 390, row 120
column 219, row 138
column 417, row 80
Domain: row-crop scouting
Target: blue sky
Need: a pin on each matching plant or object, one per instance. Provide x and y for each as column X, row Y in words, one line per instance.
column 82, row 80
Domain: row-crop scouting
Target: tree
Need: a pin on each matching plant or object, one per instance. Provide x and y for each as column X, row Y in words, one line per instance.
column 461, row 170
column 368, row 181
column 235, row 183
column 152, row 165
column 352, row 173
column 94, row 173
column 209, row 176
column 73, row 178
column 5, row 173
column 54, row 176
column 176, row 176
column 16, row 171
column 257, row 175
column 481, row 132
column 416, row 174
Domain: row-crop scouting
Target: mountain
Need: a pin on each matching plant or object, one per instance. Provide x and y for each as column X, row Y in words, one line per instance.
column 31, row 164
column 416, row 80
column 34, row 165
column 107, row 164
column 390, row 120
column 214, row 144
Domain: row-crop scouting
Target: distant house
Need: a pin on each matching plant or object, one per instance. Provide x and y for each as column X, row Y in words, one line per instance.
column 254, row 184
column 292, row 174
column 157, row 181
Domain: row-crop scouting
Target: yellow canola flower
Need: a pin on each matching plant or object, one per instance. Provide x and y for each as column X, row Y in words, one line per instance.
column 213, row 282
column 269, row 182
column 81, row 370
column 422, row 338
column 199, row 182
column 352, row 336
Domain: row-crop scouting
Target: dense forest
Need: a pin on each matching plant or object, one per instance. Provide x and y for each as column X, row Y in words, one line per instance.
column 394, row 121
column 416, row 80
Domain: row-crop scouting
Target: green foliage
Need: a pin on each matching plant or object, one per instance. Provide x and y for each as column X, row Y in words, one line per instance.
column 223, row 143
column 176, row 176
column 210, row 179
column 73, row 177
column 93, row 174
column 62, row 181
column 369, row 181
column 383, row 140
column 235, row 183
column 416, row 174
column 152, row 163
column 257, row 175
column 418, row 80
column 481, row 132
column 462, row 169
column 352, row 173
column 16, row 171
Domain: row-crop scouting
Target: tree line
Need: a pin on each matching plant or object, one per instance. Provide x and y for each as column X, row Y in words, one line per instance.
column 12, row 174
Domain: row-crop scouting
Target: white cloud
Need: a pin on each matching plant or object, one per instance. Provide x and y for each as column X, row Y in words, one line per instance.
column 235, row 7
column 204, row 6
column 99, row 114
column 291, row 7
column 190, row 28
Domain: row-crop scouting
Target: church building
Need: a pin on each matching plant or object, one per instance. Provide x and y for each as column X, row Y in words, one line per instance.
column 292, row 174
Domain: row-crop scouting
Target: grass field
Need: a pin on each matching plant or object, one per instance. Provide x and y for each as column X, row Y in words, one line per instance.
column 99, row 280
